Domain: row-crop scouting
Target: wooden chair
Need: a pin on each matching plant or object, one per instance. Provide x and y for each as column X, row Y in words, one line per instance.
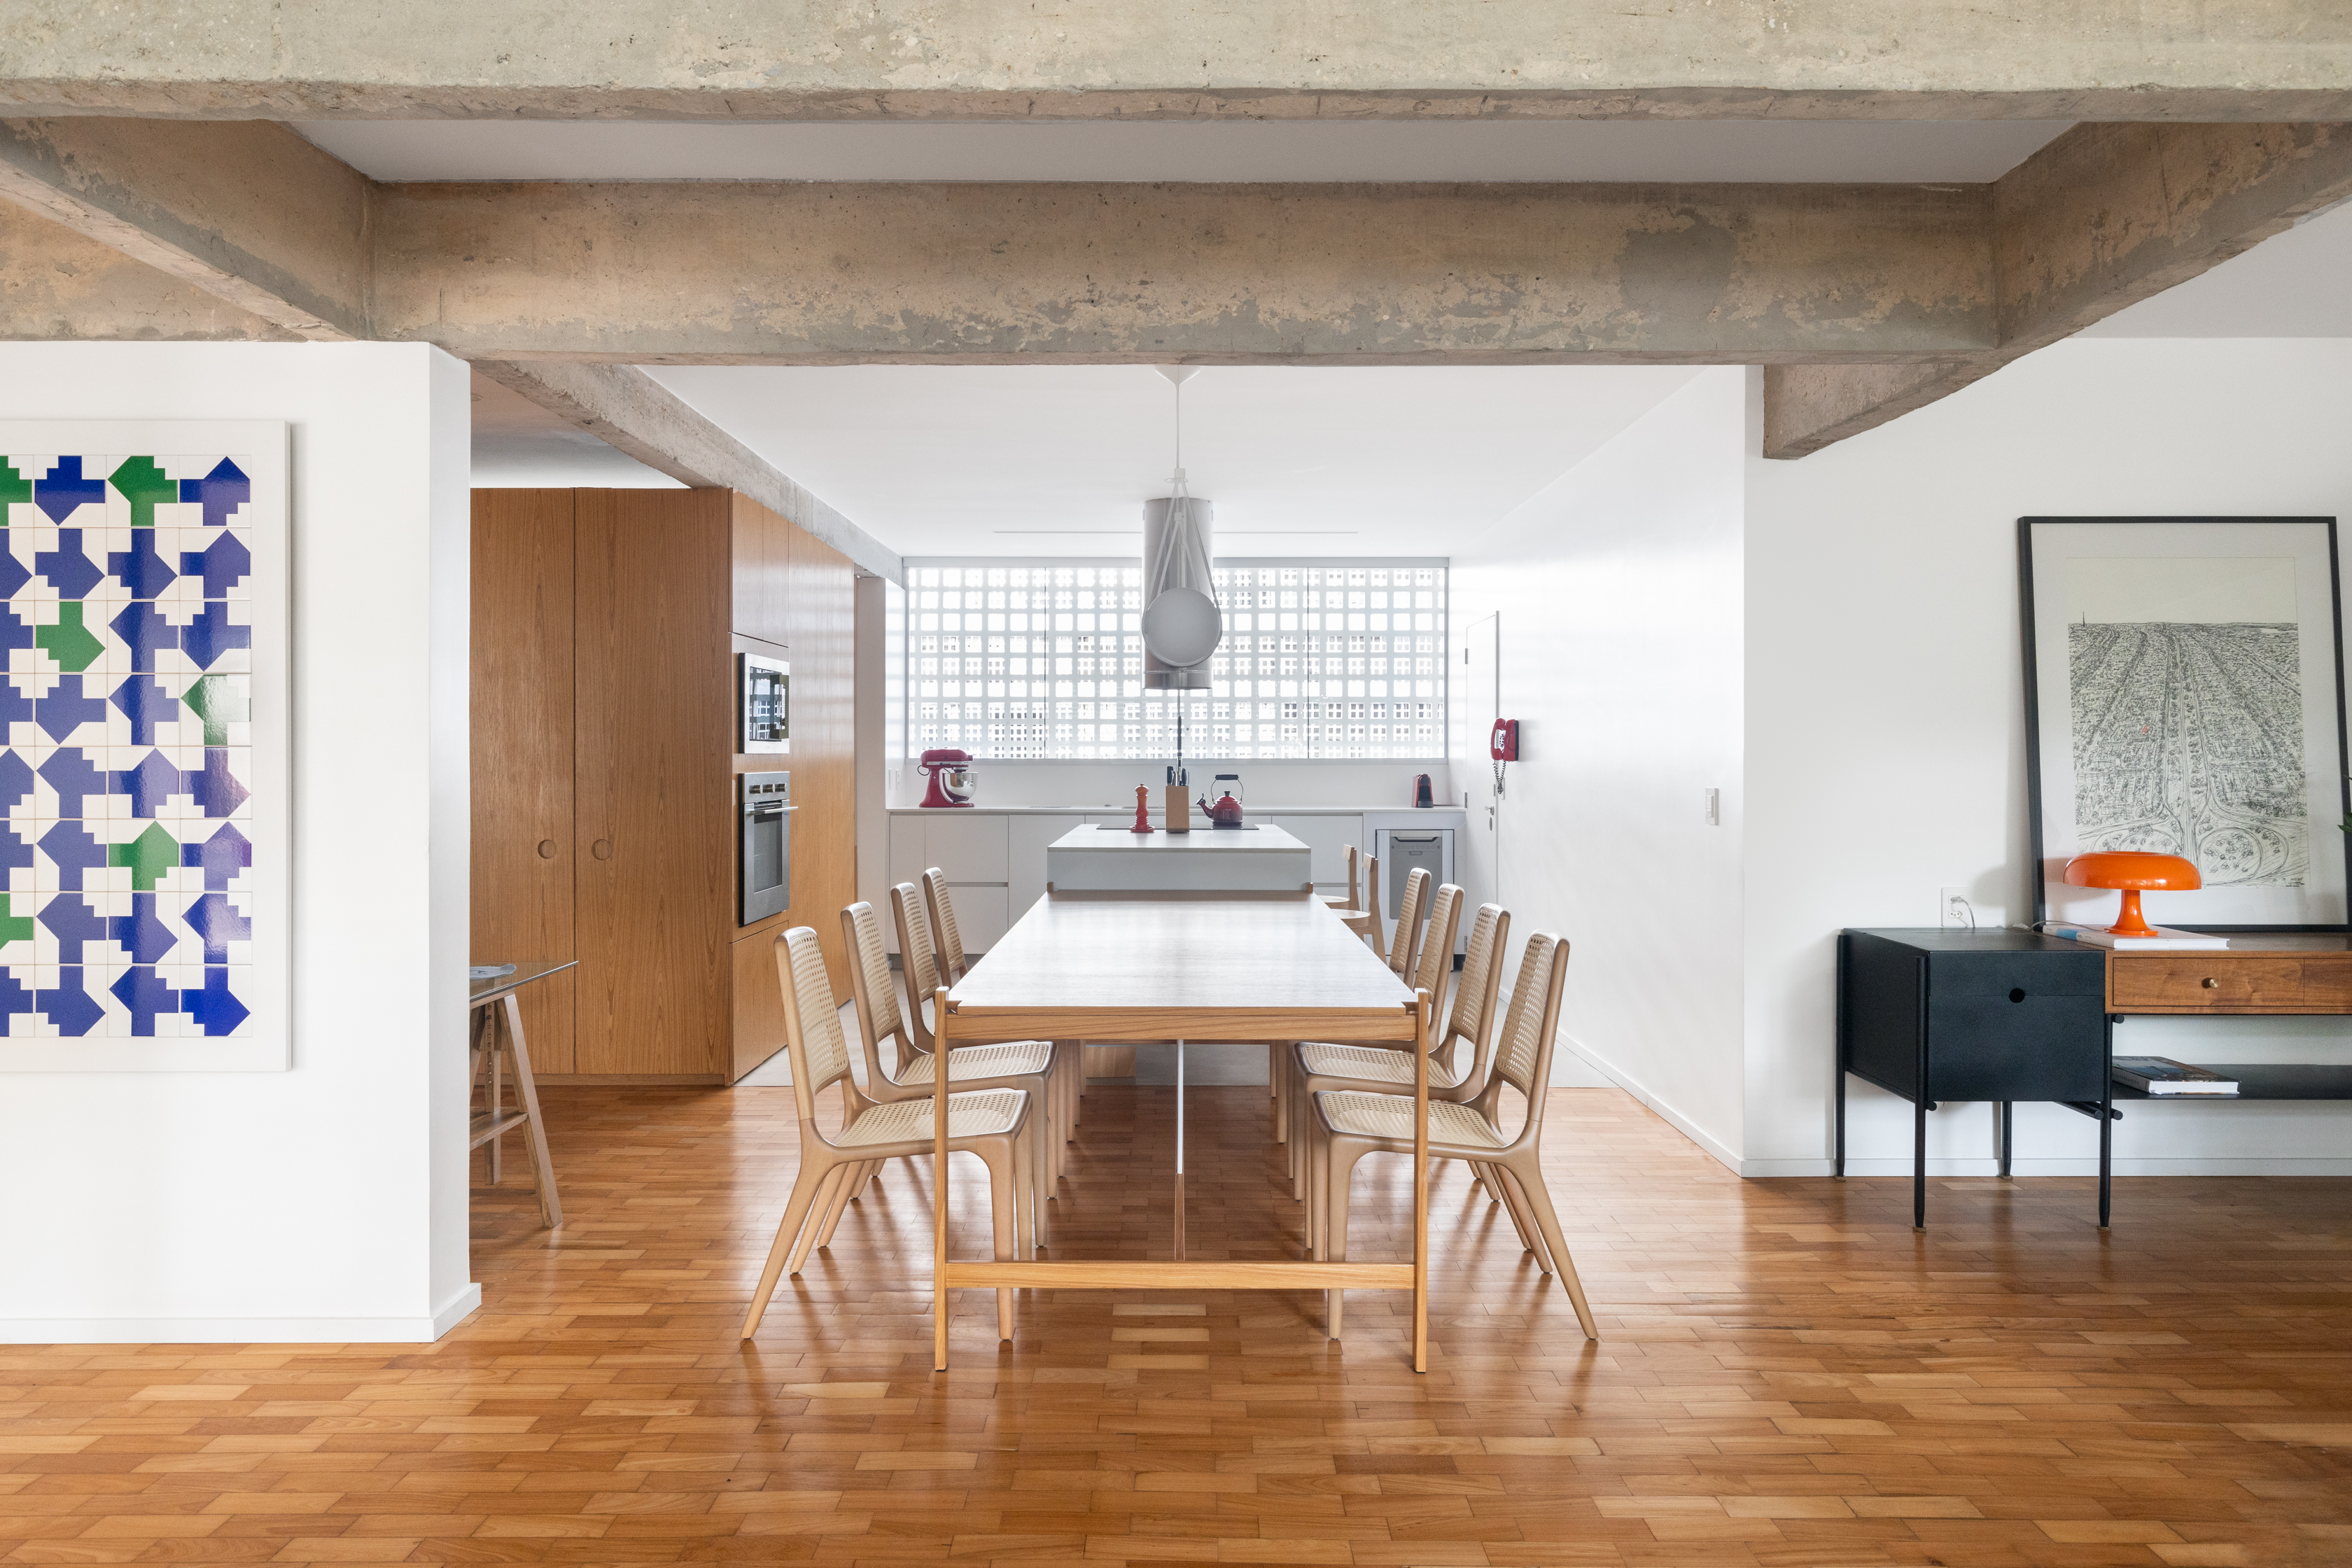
column 993, row 1123
column 1316, row 1067
column 1352, row 1124
column 946, row 938
column 1025, row 1065
column 917, row 919
column 1364, row 919
column 1404, row 945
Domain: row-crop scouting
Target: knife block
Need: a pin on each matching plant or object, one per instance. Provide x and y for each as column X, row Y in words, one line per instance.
column 1179, row 810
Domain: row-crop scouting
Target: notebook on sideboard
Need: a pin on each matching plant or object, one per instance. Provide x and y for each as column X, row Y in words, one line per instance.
column 2162, row 1075
column 2166, row 940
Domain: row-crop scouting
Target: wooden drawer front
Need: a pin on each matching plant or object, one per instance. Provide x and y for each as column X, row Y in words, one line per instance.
column 2193, row 981
column 2327, row 983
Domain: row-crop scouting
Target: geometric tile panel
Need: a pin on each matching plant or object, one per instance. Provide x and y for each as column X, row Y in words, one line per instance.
column 129, row 906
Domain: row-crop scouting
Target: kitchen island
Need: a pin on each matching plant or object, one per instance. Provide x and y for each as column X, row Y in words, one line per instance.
column 1096, row 860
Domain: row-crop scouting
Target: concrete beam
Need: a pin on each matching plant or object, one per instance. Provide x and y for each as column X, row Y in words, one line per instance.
column 1181, row 59
column 1002, row 273
column 247, row 212
column 58, row 285
column 2104, row 216
column 625, row 409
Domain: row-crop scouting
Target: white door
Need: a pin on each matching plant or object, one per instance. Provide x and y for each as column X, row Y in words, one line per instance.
column 1480, row 705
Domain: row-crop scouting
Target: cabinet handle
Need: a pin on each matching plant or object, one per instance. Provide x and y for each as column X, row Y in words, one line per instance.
column 602, row 850
column 547, row 849
column 2211, row 984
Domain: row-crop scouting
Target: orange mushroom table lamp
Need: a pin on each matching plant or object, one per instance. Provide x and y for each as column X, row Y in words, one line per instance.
column 2133, row 871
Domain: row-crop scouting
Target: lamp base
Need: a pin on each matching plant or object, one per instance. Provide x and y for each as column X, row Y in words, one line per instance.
column 2129, row 921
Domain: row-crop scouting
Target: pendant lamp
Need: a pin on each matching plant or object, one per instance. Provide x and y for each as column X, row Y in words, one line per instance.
column 1181, row 624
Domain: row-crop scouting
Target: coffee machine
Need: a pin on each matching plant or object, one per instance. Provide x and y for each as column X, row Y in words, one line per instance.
column 952, row 774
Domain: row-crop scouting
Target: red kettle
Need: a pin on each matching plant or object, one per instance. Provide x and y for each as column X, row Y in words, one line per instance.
column 1226, row 813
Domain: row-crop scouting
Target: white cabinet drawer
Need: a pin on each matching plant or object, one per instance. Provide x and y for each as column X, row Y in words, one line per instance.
column 966, row 848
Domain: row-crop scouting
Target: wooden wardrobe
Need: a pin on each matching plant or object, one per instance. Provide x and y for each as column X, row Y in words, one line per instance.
column 606, row 624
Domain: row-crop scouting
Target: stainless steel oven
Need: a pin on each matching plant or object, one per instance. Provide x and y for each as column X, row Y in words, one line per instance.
column 764, row 836
column 763, row 702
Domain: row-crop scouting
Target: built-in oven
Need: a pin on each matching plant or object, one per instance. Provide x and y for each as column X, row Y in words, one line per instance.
column 764, row 836
column 764, row 701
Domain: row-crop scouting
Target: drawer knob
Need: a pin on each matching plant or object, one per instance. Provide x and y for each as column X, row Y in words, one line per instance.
column 547, row 849
column 2211, row 984
column 602, row 850
column 2018, row 994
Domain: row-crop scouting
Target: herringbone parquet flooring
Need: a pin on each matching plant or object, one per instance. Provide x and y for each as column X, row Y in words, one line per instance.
column 1787, row 1376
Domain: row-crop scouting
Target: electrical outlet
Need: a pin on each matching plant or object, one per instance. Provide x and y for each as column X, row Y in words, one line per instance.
column 1958, row 914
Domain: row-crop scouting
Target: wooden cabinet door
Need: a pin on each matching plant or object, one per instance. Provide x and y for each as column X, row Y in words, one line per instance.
column 522, row 752
column 656, row 828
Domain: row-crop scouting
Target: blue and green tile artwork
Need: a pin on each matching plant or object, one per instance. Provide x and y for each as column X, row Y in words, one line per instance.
column 126, row 614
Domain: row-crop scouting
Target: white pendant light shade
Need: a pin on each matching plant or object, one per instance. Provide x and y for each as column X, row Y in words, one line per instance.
column 1181, row 624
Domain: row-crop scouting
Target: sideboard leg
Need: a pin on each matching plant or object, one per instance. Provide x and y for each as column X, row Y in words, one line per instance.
column 1837, row 1165
column 2006, row 1111
column 1919, row 1163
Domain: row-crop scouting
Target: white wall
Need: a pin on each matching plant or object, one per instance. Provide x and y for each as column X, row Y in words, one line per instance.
column 1885, row 717
column 1618, row 590
column 327, row 1202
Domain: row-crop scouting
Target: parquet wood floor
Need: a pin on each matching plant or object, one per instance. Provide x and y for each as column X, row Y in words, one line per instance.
column 1787, row 1375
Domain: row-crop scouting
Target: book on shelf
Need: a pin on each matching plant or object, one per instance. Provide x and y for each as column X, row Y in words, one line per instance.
column 2165, row 938
column 2162, row 1075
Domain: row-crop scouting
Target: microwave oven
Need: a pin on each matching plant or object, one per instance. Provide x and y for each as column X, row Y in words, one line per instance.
column 763, row 704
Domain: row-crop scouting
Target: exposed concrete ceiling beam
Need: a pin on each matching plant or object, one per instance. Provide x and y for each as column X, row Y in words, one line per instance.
column 625, row 409
column 2180, row 60
column 245, row 211
column 2104, row 216
column 1003, row 273
column 59, row 285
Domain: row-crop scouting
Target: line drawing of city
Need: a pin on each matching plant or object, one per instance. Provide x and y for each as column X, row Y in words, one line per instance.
column 2186, row 699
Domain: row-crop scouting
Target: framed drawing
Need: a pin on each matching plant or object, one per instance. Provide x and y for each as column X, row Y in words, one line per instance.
column 2184, row 693
column 146, row 922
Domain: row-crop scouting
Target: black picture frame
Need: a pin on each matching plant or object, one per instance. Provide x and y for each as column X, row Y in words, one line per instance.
column 2033, row 769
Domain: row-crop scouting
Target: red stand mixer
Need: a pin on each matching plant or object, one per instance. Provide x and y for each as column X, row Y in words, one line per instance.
column 952, row 774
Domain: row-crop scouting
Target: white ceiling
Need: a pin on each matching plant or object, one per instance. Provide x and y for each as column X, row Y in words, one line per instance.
column 1876, row 151
column 1058, row 461
column 2292, row 285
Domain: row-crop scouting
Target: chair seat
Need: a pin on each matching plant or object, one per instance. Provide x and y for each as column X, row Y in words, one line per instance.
column 970, row 1062
column 1389, row 1116
column 974, row 1115
column 1371, row 1063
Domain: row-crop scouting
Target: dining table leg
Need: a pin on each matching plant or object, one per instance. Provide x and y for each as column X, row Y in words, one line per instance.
column 1179, row 1151
column 939, row 1190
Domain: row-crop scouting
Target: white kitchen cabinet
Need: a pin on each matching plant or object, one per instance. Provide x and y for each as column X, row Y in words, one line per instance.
column 970, row 850
column 1025, row 877
column 966, row 845
column 982, row 916
column 1327, row 838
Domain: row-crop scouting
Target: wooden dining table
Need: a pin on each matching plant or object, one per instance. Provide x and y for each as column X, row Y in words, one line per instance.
column 1175, row 968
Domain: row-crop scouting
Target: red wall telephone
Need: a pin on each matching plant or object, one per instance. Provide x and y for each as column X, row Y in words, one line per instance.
column 1504, row 744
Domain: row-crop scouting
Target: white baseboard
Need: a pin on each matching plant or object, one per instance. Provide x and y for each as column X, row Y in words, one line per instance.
column 461, row 1305
column 2022, row 1166
column 241, row 1330
column 1633, row 1086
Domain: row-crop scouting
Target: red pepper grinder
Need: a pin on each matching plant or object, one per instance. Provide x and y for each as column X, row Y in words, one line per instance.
column 1142, row 813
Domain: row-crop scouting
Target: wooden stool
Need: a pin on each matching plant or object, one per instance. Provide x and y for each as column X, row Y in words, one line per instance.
column 497, row 1044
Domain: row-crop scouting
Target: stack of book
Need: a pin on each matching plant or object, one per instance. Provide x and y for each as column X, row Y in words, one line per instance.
column 2162, row 1075
column 2166, row 940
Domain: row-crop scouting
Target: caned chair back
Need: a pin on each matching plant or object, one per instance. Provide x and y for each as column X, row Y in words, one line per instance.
column 942, row 910
column 1410, row 909
column 917, row 958
column 812, row 1023
column 1473, row 1017
column 1523, row 1053
column 1437, row 946
column 878, row 1013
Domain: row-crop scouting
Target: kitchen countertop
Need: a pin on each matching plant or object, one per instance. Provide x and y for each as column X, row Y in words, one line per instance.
column 1128, row 808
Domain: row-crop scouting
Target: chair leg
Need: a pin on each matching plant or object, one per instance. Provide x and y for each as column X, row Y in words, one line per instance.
column 1003, row 1162
column 796, row 1207
column 833, row 1181
column 1338, row 1175
column 1532, row 1184
column 1529, row 1242
column 852, row 1181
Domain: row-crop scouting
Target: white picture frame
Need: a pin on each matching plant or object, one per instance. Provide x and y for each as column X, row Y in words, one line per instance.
column 197, row 761
column 2210, row 720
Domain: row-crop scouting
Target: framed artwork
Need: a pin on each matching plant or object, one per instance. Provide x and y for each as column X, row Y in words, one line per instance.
column 147, row 919
column 2184, row 694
